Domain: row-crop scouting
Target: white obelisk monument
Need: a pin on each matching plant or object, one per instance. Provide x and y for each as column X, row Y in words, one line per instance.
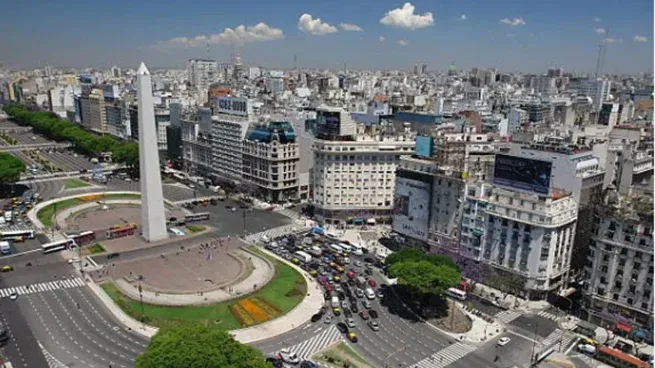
column 153, row 216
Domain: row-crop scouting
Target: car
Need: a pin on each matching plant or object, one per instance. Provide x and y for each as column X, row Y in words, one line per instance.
column 373, row 313
column 379, row 293
column 342, row 327
column 308, row 364
column 350, row 322
column 328, row 319
column 504, row 341
column 372, row 283
column 353, row 307
column 7, row 268
column 317, row 317
column 358, row 263
column 352, row 337
column 367, row 304
column 275, row 362
column 288, row 356
column 373, row 325
column 364, row 315
column 13, row 296
column 347, row 312
column 336, row 311
column 344, row 304
column 359, row 293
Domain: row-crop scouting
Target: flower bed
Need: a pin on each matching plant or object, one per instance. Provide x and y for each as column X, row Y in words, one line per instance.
column 90, row 197
column 267, row 307
column 254, row 311
column 241, row 315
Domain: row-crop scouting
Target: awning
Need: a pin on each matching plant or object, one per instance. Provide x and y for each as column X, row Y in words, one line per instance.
column 623, row 327
column 358, row 221
column 639, row 333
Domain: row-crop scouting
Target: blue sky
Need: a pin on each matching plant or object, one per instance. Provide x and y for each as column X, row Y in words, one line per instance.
column 535, row 35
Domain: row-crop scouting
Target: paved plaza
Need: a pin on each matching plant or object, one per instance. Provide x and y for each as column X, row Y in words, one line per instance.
column 97, row 218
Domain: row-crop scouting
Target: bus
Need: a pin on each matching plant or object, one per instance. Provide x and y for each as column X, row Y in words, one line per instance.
column 456, row 293
column 26, row 234
column 58, row 246
column 196, row 217
column 617, row 358
column 346, row 248
column 306, row 258
column 336, row 248
column 119, row 232
column 5, row 247
column 84, row 237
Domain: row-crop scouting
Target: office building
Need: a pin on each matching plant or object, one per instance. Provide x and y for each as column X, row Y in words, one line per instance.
column 201, row 73
column 598, row 90
column 618, row 282
column 96, row 119
column 196, row 146
column 270, row 160
column 609, row 114
column 228, row 129
column 118, row 119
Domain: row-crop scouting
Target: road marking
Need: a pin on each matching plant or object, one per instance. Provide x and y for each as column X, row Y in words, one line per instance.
column 317, row 343
column 446, row 356
column 21, row 253
column 523, row 336
column 43, row 286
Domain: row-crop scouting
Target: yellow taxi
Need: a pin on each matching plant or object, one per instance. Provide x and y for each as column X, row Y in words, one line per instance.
column 295, row 260
column 336, row 311
column 7, row 268
column 313, row 273
column 352, row 337
column 333, row 265
column 299, row 247
column 337, row 278
column 339, row 268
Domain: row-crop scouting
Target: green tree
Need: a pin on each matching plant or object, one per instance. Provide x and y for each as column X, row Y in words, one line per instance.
column 10, row 169
column 424, row 277
column 198, row 346
column 405, row 255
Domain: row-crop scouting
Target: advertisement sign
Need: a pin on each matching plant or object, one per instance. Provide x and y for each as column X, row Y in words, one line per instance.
column 412, row 208
column 424, row 146
column 522, row 173
column 234, row 106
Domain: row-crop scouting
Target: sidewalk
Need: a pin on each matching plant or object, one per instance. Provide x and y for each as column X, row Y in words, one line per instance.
column 510, row 301
column 296, row 317
column 262, row 273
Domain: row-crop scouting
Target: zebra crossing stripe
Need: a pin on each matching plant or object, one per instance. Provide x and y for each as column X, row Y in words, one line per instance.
column 446, row 356
column 42, row 287
column 317, row 343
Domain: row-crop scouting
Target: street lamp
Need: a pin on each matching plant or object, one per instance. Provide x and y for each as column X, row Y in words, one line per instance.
column 533, row 358
column 386, row 360
column 244, row 222
column 141, row 301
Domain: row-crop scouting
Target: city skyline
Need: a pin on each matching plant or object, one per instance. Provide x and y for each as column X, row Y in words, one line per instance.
column 512, row 36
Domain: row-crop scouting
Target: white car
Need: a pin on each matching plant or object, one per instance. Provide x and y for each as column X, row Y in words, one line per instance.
column 350, row 322
column 288, row 356
column 504, row 341
column 13, row 296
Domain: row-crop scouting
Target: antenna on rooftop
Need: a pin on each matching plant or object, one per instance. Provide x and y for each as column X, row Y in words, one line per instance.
column 602, row 48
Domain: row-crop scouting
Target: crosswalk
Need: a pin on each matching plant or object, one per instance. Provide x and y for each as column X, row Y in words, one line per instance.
column 50, row 359
column 9, row 228
column 553, row 340
column 507, row 316
column 42, row 287
column 548, row 315
column 288, row 213
column 273, row 233
column 317, row 343
column 446, row 356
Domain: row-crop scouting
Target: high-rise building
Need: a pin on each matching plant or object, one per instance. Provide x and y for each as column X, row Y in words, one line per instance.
column 228, row 130
column 201, row 73
column 270, row 160
column 618, row 286
column 598, row 90
column 96, row 120
column 153, row 216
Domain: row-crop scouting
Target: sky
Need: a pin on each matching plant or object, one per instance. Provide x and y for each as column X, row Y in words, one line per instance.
column 511, row 35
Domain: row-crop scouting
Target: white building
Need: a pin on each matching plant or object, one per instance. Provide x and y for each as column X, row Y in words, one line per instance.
column 196, row 146
column 201, row 73
column 516, row 118
column 619, row 271
column 229, row 128
column 61, row 99
column 598, row 90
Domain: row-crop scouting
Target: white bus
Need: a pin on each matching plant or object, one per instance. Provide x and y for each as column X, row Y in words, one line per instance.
column 456, row 293
column 306, row 258
column 58, row 246
column 196, row 217
column 346, row 248
column 336, row 248
column 176, row 231
column 27, row 234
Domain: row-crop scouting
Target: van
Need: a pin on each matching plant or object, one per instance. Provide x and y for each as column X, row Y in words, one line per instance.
column 336, row 248
column 346, row 248
column 335, row 302
column 8, row 216
column 370, row 294
column 316, row 251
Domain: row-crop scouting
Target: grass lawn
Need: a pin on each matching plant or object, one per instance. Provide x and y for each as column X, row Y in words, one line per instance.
column 285, row 291
column 72, row 183
column 342, row 355
column 96, row 248
column 196, row 228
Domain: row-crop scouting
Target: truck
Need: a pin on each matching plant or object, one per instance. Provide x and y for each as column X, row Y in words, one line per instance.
column 5, row 248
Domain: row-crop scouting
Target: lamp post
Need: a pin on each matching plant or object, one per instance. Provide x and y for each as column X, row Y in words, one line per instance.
column 533, row 358
column 386, row 360
column 244, row 222
column 141, row 301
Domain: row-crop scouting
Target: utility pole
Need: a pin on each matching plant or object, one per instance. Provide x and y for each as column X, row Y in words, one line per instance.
column 533, row 358
column 244, row 222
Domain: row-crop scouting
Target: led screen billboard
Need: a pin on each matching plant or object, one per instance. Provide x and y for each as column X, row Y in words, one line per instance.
column 522, row 173
column 412, row 208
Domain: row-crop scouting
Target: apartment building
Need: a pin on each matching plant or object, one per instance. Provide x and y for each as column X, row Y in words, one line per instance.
column 96, row 119
column 271, row 158
column 354, row 173
column 618, row 288
column 196, row 146
column 228, row 129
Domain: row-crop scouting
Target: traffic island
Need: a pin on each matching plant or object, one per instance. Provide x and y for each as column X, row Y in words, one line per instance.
column 341, row 355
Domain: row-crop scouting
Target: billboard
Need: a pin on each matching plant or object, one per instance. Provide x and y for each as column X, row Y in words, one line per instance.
column 424, row 146
column 412, row 208
column 234, row 106
column 522, row 173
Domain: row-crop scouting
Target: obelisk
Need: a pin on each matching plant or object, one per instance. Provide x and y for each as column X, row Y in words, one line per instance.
column 153, row 216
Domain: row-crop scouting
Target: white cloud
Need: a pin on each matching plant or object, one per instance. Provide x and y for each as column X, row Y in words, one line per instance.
column 314, row 27
column 640, row 39
column 597, row 19
column 600, row 31
column 382, row 38
column 610, row 40
column 405, row 18
column 462, row 17
column 402, row 42
column 239, row 35
column 513, row 21
column 350, row 27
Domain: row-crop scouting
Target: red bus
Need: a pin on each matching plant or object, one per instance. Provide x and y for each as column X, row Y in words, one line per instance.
column 119, row 232
column 620, row 359
column 83, row 238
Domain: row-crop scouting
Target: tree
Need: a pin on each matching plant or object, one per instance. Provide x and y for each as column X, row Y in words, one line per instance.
column 198, row 346
column 405, row 255
column 10, row 169
column 425, row 277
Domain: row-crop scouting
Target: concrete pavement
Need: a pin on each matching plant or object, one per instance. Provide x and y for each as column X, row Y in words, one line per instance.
column 510, row 301
column 263, row 272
